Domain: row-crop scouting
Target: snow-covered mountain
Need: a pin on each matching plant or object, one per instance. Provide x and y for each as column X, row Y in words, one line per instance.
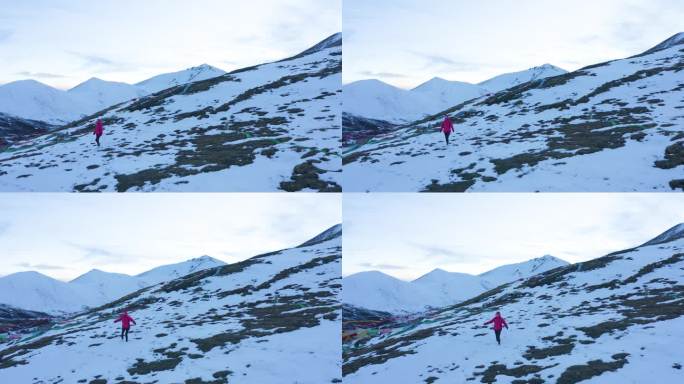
column 33, row 100
column 444, row 288
column 614, row 126
column 508, row 80
column 251, row 321
column 270, row 127
column 102, row 94
column 168, row 80
column 102, row 287
column 378, row 291
column 15, row 129
column 372, row 108
column 512, row 272
column 35, row 291
column 374, row 99
column 375, row 290
column 174, row 271
column 442, row 93
column 614, row 319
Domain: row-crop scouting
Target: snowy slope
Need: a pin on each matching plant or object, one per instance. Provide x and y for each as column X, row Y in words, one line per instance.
column 14, row 129
column 270, row 127
column 174, row 271
column 615, row 319
column 331, row 233
column 102, row 94
column 168, row 80
column 249, row 322
column 375, row 99
column 508, row 80
column 377, row 291
column 614, row 126
column 674, row 40
column 674, row 233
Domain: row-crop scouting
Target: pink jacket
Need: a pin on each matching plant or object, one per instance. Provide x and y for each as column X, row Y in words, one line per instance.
column 447, row 126
column 98, row 128
column 499, row 322
column 125, row 320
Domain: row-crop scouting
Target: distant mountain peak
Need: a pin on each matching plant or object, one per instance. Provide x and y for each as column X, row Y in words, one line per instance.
column 205, row 67
column 205, row 259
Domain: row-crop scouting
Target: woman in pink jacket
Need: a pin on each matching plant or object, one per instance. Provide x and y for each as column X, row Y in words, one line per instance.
column 499, row 323
column 126, row 321
column 447, row 128
column 98, row 131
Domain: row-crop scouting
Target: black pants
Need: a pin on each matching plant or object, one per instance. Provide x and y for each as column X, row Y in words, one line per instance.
column 498, row 336
column 97, row 140
column 446, row 137
column 124, row 332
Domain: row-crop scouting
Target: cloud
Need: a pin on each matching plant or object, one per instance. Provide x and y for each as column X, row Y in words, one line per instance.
column 382, row 266
column 437, row 252
column 39, row 266
column 96, row 255
column 100, row 63
column 383, row 74
column 41, row 75
column 434, row 60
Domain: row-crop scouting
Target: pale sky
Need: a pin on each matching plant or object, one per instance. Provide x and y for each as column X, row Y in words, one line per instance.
column 65, row 42
column 407, row 235
column 66, row 235
column 407, row 42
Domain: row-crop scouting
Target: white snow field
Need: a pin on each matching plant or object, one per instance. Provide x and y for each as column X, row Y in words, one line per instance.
column 34, row 291
column 275, row 126
column 614, row 319
column 274, row 318
column 377, row 291
column 615, row 126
